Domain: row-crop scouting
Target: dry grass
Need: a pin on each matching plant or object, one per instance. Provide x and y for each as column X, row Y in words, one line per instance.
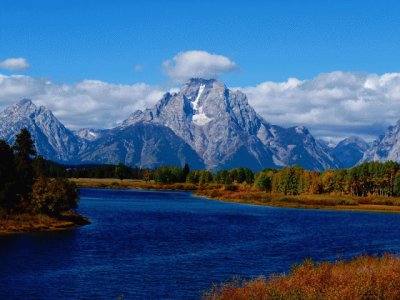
column 246, row 194
column 18, row 223
column 130, row 183
column 332, row 202
column 364, row 277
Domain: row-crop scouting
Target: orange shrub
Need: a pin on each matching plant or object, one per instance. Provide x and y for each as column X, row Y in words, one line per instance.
column 364, row 277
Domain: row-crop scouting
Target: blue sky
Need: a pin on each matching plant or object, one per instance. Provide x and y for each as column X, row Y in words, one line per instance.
column 124, row 45
column 269, row 40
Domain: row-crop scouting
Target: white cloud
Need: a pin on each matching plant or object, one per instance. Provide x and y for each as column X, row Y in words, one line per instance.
column 89, row 103
column 332, row 105
column 14, row 64
column 201, row 64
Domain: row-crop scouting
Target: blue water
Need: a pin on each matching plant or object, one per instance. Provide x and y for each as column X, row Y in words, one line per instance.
column 173, row 245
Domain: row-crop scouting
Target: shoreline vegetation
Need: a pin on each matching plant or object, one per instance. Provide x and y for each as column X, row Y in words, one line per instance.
column 372, row 187
column 363, row 277
column 27, row 223
column 243, row 193
column 30, row 200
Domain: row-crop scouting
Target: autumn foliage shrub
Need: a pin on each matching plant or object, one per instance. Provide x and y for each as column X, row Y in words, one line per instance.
column 364, row 277
column 53, row 196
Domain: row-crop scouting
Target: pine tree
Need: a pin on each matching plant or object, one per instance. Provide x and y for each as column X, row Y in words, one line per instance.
column 24, row 145
column 7, row 177
column 185, row 172
column 24, row 150
column 121, row 171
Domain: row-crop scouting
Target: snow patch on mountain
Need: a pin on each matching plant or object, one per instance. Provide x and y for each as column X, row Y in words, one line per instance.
column 204, row 124
column 237, row 135
column 89, row 134
column 199, row 117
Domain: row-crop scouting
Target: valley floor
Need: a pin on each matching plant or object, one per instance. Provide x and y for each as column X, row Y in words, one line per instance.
column 246, row 194
column 22, row 223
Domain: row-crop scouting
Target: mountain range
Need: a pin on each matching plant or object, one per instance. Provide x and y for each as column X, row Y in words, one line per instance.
column 204, row 124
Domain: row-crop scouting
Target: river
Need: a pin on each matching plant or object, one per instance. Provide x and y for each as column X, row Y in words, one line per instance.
column 159, row 244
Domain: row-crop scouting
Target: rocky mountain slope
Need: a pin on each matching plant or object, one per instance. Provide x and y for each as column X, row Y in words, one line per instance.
column 386, row 147
column 145, row 145
column 349, row 151
column 204, row 124
column 52, row 139
column 90, row 134
column 225, row 131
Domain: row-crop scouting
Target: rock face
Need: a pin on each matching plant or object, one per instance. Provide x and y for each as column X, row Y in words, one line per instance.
column 52, row 139
column 225, row 131
column 205, row 124
column 296, row 146
column 145, row 145
column 386, row 147
column 90, row 134
column 349, row 151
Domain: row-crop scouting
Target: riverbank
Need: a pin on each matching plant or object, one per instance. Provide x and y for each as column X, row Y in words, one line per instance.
column 23, row 223
column 363, row 277
column 246, row 194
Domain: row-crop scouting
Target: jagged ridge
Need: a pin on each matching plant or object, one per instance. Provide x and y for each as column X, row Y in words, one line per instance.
column 204, row 124
column 386, row 147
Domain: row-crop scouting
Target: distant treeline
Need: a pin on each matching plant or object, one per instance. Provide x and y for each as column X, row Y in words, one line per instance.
column 52, row 169
column 372, row 178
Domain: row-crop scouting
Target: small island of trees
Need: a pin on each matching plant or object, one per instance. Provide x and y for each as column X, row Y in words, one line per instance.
column 27, row 195
column 31, row 184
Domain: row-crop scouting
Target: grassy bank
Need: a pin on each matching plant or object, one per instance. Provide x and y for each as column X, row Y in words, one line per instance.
column 247, row 194
column 20, row 223
column 112, row 183
column 361, row 278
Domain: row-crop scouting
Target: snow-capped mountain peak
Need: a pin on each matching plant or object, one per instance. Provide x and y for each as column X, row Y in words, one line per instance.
column 204, row 124
column 225, row 131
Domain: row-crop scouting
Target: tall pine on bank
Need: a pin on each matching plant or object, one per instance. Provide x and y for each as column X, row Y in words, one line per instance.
column 24, row 151
column 24, row 188
column 8, row 197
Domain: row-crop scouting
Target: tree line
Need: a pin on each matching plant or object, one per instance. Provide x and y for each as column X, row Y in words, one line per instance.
column 24, row 186
column 371, row 178
column 24, row 178
column 367, row 179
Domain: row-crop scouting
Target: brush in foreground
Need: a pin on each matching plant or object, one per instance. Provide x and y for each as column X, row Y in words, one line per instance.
column 364, row 277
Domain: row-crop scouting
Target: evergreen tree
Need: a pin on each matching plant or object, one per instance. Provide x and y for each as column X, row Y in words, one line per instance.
column 8, row 198
column 168, row 174
column 24, row 150
column 121, row 171
column 249, row 175
column 185, row 172
column 24, row 144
